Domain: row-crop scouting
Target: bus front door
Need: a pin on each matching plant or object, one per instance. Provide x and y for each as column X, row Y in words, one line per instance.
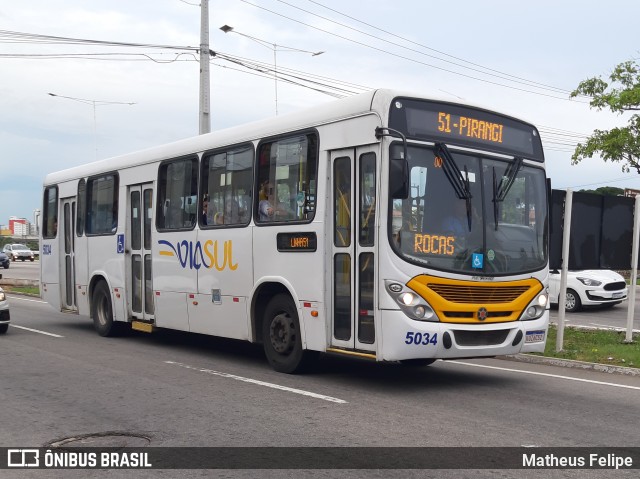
column 138, row 252
column 352, row 215
column 68, row 235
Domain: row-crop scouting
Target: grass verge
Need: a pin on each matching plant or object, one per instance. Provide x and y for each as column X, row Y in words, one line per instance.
column 595, row 346
column 30, row 290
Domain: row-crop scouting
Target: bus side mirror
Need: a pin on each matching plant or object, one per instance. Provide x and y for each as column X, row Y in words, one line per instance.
column 399, row 179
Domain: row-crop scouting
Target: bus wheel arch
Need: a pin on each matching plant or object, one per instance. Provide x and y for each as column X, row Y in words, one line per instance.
column 261, row 298
column 102, row 308
column 276, row 324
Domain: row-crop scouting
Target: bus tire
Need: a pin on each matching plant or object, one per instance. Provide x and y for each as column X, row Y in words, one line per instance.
column 281, row 336
column 4, row 328
column 102, row 311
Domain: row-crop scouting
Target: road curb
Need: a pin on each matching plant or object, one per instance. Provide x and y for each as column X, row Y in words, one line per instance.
column 570, row 363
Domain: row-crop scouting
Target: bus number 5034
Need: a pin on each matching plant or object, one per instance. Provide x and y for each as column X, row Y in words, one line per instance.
column 421, row 338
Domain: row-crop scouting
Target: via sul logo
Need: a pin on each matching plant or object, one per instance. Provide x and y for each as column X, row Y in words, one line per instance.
column 196, row 255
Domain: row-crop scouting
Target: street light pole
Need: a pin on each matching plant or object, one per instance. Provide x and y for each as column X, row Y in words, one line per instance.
column 276, row 48
column 205, row 85
column 94, row 103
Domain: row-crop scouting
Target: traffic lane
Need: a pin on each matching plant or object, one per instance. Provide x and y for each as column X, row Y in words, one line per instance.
column 600, row 317
column 127, row 383
column 22, row 270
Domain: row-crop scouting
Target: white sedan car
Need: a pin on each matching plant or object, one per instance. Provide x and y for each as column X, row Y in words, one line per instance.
column 589, row 288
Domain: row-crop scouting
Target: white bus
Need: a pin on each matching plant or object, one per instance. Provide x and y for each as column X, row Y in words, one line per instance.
column 384, row 226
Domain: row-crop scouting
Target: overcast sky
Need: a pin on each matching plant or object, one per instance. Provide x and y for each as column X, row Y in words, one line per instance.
column 521, row 58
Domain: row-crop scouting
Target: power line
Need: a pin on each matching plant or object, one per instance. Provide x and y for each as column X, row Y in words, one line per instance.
column 615, row 180
column 413, row 60
column 479, row 69
column 7, row 36
column 99, row 56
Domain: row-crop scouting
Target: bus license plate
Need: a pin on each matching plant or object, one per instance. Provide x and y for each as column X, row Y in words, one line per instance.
column 534, row 337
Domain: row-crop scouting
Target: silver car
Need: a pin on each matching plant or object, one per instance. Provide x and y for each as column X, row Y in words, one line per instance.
column 18, row 252
column 4, row 312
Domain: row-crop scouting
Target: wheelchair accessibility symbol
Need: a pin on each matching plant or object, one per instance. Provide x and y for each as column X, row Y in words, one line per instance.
column 120, row 247
column 477, row 260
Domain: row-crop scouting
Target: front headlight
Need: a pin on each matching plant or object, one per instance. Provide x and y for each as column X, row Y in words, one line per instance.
column 2, row 296
column 536, row 307
column 589, row 281
column 410, row 302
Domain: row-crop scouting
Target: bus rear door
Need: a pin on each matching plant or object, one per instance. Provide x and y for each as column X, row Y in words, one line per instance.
column 68, row 266
column 138, row 252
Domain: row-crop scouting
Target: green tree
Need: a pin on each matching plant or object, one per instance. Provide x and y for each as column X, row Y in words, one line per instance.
column 621, row 95
column 606, row 191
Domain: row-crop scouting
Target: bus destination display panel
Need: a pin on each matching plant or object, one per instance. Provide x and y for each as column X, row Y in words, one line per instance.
column 465, row 126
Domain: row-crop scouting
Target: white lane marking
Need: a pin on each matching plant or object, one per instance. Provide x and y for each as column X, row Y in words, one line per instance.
column 568, row 378
column 25, row 299
column 260, row 383
column 35, row 331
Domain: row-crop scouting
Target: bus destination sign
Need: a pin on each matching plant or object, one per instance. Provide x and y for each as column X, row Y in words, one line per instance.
column 288, row 242
column 470, row 127
column 465, row 126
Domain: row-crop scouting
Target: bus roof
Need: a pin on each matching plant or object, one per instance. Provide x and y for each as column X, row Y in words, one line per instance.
column 356, row 105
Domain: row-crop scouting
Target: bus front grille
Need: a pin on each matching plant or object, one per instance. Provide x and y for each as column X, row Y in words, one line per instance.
column 458, row 293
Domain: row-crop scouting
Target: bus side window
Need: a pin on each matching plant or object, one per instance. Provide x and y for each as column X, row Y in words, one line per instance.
column 226, row 178
column 177, row 190
column 288, row 166
column 102, row 204
column 50, row 216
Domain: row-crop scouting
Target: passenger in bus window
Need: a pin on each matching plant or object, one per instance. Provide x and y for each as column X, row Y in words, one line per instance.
column 205, row 210
column 265, row 207
column 454, row 223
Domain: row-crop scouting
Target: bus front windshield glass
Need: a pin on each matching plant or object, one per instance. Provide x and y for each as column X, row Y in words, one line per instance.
column 490, row 219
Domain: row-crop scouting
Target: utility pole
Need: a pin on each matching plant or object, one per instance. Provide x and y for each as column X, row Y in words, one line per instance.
column 205, row 86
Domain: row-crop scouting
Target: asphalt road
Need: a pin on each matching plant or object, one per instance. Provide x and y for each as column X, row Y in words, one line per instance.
column 60, row 379
column 22, row 270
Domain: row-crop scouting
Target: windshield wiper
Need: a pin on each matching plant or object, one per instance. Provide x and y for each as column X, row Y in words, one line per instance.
column 459, row 183
column 454, row 175
column 500, row 190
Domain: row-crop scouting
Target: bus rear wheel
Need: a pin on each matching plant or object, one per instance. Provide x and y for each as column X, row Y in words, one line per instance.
column 102, row 311
column 281, row 336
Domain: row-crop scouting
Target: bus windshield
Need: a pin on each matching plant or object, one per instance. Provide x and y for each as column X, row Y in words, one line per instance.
column 492, row 220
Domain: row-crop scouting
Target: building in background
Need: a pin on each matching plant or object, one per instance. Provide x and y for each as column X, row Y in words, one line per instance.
column 19, row 226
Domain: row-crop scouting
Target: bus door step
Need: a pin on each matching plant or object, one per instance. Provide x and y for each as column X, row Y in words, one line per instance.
column 142, row 326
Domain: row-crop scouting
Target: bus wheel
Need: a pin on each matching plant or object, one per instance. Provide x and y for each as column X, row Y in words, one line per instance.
column 417, row 363
column 281, row 336
column 102, row 311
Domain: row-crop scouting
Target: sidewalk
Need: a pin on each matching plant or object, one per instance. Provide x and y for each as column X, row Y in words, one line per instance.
column 569, row 363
